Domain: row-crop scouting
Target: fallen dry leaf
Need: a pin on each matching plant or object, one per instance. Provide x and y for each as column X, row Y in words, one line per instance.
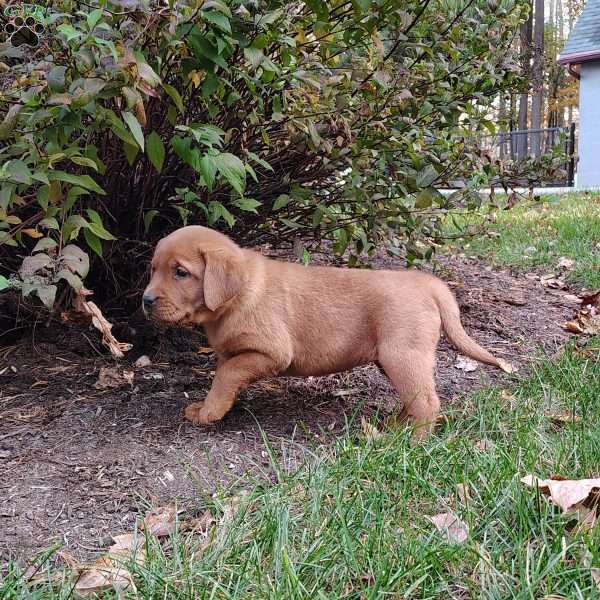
column 571, row 298
column 370, row 432
column 232, row 505
column 563, row 417
column 465, row 364
column 201, row 524
column 483, row 445
column 117, row 349
column 142, row 361
column 271, row 386
column 109, row 571
column 586, row 517
column 341, row 393
column 551, row 281
column 586, row 321
column 506, row 395
column 506, row 366
column 161, row 522
column 591, row 299
column 205, row 350
column 112, row 377
column 565, row 262
column 452, row 529
column 567, row 493
column 515, row 300
column 594, row 571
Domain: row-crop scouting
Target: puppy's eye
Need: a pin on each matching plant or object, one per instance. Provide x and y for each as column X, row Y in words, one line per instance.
column 180, row 273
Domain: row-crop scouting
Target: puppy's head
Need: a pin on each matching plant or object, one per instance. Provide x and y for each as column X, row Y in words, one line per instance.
column 195, row 273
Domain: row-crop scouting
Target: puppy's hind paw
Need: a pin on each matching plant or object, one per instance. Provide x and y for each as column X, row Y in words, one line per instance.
column 199, row 414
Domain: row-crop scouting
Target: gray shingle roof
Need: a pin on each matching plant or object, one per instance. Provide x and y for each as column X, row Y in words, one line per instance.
column 585, row 36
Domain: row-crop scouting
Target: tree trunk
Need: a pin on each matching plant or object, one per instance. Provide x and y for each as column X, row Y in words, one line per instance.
column 502, row 123
column 525, row 37
column 537, row 75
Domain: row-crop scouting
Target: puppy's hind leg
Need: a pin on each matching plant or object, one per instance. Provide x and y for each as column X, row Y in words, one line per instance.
column 411, row 372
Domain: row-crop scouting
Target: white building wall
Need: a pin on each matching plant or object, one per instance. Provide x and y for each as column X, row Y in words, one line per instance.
column 588, row 168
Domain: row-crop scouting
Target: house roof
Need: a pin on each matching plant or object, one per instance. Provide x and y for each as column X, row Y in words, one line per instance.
column 584, row 41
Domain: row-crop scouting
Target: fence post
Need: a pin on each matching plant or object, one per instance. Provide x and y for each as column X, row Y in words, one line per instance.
column 571, row 157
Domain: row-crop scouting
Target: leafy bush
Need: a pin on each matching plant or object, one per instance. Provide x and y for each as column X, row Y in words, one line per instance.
column 279, row 121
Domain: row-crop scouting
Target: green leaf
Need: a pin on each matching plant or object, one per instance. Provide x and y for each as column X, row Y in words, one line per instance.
column 233, row 170
column 72, row 196
column 146, row 72
column 281, row 201
column 6, row 193
column 93, row 242
column 219, row 19
column 259, row 161
column 47, row 294
column 210, row 85
column 131, row 151
column 155, row 150
column 203, row 48
column 135, row 127
column 361, row 6
column 4, row 283
column 218, row 5
column 175, row 96
column 44, row 244
column 76, row 222
column 254, row 56
column 84, row 181
column 208, row 169
column 247, row 204
column 99, row 231
column 217, row 211
column 93, row 18
column 18, row 171
column 426, row 176
column 8, row 124
column 290, row 224
column 56, row 79
column 73, row 280
column 49, row 223
column 94, row 216
column 84, row 162
column 148, row 218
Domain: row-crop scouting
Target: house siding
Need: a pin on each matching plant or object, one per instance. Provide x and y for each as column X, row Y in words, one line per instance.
column 588, row 169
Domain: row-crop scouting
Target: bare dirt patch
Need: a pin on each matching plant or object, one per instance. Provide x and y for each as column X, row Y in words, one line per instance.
column 78, row 463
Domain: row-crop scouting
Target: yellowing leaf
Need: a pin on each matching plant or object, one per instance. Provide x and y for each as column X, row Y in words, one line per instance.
column 32, row 233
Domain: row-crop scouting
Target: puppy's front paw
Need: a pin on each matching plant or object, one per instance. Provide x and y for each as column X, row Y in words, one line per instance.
column 199, row 414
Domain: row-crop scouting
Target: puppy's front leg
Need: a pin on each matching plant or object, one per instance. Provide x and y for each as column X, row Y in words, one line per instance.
column 232, row 376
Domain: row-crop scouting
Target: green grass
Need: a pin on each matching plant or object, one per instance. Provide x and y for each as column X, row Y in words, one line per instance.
column 352, row 522
column 537, row 234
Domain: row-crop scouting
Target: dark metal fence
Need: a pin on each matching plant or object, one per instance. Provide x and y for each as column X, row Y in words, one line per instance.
column 521, row 144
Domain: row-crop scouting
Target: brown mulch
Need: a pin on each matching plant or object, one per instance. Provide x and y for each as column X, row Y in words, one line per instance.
column 79, row 463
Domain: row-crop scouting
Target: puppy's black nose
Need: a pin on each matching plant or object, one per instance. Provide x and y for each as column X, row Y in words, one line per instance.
column 149, row 299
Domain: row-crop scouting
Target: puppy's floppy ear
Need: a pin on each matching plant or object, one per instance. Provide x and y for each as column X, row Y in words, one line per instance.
column 223, row 276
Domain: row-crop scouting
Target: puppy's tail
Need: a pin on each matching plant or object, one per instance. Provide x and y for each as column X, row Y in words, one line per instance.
column 450, row 316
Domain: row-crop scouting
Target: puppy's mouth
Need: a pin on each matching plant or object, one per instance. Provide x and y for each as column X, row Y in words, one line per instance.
column 166, row 315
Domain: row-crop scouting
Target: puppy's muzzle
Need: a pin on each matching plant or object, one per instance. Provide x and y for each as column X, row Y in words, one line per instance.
column 148, row 301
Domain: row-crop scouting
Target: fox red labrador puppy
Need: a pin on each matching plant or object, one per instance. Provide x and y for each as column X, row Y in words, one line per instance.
column 266, row 318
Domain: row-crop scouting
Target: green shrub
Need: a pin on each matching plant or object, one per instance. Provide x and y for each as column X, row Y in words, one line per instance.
column 279, row 121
